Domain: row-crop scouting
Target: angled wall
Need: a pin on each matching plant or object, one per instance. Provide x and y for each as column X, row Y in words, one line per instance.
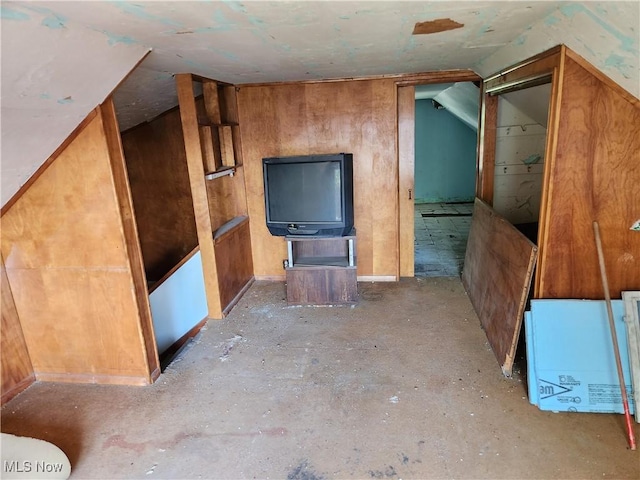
column 70, row 262
column 54, row 72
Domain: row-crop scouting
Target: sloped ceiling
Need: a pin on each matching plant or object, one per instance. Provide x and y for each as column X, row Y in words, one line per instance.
column 461, row 99
column 61, row 59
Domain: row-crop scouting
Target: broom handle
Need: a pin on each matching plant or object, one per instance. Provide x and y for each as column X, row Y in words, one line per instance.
column 614, row 338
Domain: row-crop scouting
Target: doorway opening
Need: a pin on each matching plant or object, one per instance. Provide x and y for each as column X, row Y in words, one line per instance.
column 446, row 133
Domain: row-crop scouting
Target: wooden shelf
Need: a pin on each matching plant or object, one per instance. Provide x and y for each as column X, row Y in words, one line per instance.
column 221, row 172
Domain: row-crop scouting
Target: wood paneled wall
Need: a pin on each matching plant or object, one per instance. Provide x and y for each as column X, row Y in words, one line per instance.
column 356, row 117
column 595, row 176
column 233, row 261
column 68, row 247
column 157, row 168
column 17, row 371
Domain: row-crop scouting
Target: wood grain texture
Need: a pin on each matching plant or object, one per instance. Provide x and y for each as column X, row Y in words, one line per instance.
column 67, row 262
column 594, row 177
column 92, row 114
column 498, row 269
column 130, row 231
column 406, row 173
column 226, row 197
column 321, row 286
column 522, row 72
column 157, row 169
column 234, row 261
column 602, row 77
column 356, row 117
column 17, row 371
column 210, row 93
column 210, row 148
column 227, row 155
column 487, row 137
column 189, row 119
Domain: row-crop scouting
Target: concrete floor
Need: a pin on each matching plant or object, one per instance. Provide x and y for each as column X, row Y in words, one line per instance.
column 441, row 232
column 401, row 386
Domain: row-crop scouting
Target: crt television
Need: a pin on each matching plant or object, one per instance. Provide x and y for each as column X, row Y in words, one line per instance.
column 309, row 194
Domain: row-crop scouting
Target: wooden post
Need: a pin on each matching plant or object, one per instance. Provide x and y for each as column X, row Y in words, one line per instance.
column 188, row 115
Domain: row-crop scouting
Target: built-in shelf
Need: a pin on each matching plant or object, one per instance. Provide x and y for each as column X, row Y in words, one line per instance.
column 221, row 172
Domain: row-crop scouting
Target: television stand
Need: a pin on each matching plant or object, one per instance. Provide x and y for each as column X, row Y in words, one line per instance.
column 321, row 270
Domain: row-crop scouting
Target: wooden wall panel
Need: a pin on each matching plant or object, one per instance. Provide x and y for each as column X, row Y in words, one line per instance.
column 17, row 371
column 157, row 169
column 69, row 270
column 131, row 240
column 406, row 174
column 498, row 268
column 356, row 117
column 595, row 176
column 226, row 198
column 234, row 262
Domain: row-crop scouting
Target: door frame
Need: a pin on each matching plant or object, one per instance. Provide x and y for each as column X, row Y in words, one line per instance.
column 405, row 137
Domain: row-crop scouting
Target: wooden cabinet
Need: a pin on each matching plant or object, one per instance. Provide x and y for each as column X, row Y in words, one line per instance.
column 321, row 270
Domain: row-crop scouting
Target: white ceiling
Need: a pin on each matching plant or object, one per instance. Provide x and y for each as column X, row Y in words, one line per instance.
column 461, row 99
column 61, row 59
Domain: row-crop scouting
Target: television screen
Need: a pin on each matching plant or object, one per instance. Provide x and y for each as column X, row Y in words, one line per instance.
column 309, row 195
column 305, row 192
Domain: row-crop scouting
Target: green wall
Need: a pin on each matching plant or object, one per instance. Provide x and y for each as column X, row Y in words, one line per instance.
column 445, row 154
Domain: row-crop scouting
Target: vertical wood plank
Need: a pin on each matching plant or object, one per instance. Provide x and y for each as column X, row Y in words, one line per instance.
column 132, row 243
column 487, row 148
column 555, row 103
column 210, row 148
column 406, row 168
column 17, row 371
column 226, row 146
column 189, row 119
column 212, row 101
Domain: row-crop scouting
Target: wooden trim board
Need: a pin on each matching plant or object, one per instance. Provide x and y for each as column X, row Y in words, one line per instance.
column 406, row 174
column 189, row 117
column 130, row 232
column 497, row 273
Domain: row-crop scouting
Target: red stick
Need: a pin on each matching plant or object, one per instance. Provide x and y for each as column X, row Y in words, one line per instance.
column 614, row 338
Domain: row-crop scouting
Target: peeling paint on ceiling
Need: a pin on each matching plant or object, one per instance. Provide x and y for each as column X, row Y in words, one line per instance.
column 436, row 26
column 61, row 59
